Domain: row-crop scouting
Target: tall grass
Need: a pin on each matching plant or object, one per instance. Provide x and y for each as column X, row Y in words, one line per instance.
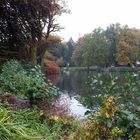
column 25, row 125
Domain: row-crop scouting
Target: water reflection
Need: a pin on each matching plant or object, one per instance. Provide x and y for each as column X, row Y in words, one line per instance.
column 72, row 84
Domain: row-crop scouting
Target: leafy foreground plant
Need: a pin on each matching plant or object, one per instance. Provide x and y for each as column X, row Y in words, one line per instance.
column 113, row 123
column 118, row 115
column 126, row 87
column 26, row 81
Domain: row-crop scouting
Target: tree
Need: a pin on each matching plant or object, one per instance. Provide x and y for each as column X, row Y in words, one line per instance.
column 57, row 8
column 94, row 49
column 77, row 57
column 112, row 33
column 127, row 46
column 22, row 23
column 57, row 48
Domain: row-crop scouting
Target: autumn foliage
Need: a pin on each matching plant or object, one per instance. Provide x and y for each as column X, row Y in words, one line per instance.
column 127, row 46
column 52, row 67
column 116, row 46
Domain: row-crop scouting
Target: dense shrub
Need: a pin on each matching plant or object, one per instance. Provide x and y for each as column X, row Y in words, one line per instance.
column 117, row 100
column 124, row 86
column 52, row 67
column 113, row 122
column 26, row 81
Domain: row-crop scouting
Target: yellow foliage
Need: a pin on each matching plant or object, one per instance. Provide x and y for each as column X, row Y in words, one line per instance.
column 97, row 127
column 109, row 108
column 127, row 46
column 54, row 39
column 116, row 131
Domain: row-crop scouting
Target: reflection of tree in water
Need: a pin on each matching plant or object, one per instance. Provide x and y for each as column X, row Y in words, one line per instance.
column 78, row 82
column 54, row 78
column 73, row 82
column 65, row 83
column 68, row 82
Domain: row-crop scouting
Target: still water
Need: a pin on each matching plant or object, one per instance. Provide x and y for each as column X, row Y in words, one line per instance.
column 72, row 84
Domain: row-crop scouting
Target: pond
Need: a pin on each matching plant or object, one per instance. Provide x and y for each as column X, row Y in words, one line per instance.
column 72, row 84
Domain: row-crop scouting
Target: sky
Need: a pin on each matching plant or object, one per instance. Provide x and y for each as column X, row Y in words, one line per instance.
column 86, row 15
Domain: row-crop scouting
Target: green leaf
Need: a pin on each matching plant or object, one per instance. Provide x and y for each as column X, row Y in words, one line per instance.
column 131, row 117
column 109, row 123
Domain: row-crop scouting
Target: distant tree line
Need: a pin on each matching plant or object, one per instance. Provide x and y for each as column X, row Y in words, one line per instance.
column 116, row 45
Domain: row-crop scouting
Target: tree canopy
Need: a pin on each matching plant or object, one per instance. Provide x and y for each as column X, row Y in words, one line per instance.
column 23, row 21
column 94, row 49
column 116, row 45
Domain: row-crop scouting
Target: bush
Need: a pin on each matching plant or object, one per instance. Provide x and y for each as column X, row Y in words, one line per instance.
column 118, row 102
column 26, row 81
column 113, row 122
column 52, row 67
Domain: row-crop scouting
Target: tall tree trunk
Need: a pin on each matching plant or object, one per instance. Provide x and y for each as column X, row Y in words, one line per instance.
column 33, row 54
column 30, row 53
column 41, row 52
